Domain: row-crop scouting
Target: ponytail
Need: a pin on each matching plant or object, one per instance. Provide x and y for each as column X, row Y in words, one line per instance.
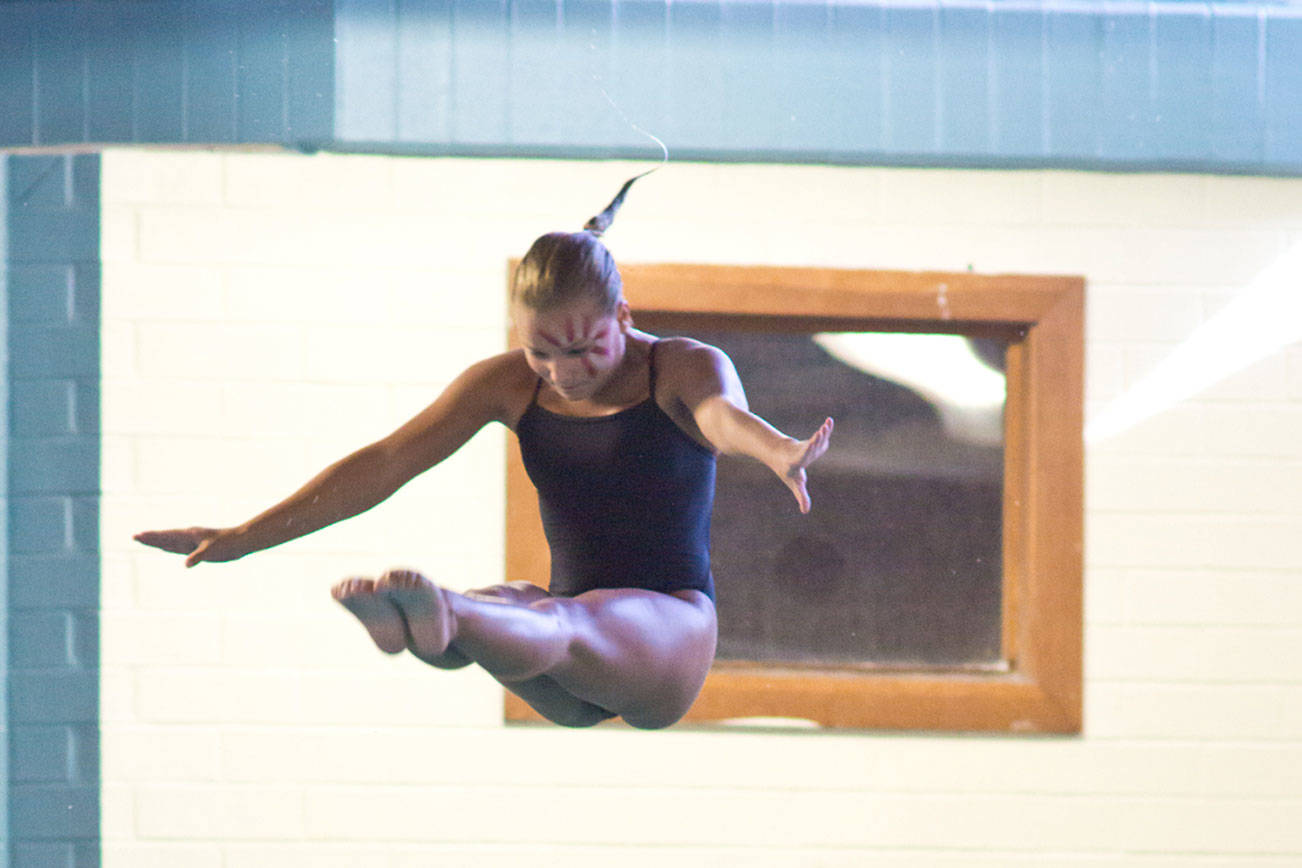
column 599, row 224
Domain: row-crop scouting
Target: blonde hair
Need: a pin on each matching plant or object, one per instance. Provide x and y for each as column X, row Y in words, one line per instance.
column 562, row 267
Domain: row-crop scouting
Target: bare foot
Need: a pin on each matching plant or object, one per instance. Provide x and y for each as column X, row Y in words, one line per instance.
column 375, row 610
column 423, row 607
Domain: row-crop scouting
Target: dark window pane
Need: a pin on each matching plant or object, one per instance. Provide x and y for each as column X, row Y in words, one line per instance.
column 899, row 564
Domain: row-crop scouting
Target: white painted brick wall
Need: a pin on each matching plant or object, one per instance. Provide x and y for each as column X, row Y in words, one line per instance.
column 264, row 314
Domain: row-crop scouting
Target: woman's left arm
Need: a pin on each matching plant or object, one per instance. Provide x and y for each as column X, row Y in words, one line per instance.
column 711, row 390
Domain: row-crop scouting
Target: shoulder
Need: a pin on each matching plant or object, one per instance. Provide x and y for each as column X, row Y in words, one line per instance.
column 689, row 356
column 508, row 368
column 504, row 381
column 693, row 369
column 504, row 371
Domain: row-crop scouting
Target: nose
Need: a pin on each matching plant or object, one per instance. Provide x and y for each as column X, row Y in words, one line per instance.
column 567, row 370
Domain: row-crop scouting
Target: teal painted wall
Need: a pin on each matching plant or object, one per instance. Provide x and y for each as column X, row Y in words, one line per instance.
column 1018, row 83
column 4, row 511
column 52, row 476
column 1212, row 87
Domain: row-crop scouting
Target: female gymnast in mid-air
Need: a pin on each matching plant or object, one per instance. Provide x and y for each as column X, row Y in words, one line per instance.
column 619, row 431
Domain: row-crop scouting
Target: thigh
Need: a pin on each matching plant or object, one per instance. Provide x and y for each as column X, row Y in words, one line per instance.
column 556, row 703
column 641, row 654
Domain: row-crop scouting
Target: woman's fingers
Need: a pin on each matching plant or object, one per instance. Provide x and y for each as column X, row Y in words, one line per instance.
column 193, row 542
column 815, row 446
column 197, row 555
column 178, row 542
column 802, row 497
column 796, row 483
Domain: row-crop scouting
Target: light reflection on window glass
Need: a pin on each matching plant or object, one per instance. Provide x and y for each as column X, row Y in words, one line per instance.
column 899, row 563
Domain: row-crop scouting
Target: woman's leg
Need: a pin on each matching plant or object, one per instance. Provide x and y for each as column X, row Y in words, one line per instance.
column 388, row 626
column 638, row 654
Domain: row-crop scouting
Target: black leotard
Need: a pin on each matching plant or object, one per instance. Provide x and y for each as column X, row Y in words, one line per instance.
column 625, row 498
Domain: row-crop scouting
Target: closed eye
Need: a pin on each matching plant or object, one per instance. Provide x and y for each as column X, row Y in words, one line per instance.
column 568, row 351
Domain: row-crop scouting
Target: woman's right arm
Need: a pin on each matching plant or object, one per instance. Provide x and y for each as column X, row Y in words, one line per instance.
column 365, row 478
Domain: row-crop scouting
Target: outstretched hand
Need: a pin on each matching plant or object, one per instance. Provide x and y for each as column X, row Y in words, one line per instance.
column 805, row 453
column 197, row 543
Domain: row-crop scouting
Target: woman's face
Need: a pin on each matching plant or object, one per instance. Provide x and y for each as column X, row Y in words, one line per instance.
column 575, row 348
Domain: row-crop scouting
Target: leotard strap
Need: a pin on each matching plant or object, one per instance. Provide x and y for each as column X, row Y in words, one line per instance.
column 651, row 363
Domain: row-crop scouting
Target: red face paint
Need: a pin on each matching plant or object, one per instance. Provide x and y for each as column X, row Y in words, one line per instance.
column 569, row 330
column 548, row 338
column 589, row 367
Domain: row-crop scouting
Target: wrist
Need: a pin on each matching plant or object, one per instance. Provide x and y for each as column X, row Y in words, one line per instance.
column 239, row 540
column 785, row 453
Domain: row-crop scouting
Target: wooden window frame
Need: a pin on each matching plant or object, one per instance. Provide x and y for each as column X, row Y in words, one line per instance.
column 1039, row 688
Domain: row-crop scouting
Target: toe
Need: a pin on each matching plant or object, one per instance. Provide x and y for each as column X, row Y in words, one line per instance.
column 351, row 587
column 401, row 579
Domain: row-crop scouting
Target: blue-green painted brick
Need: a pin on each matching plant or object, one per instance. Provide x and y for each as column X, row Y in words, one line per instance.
column 43, row 408
column 41, row 753
column 53, row 697
column 424, row 57
column 87, row 854
column 108, row 82
column 1072, row 82
column 86, row 291
column 261, row 77
column 54, row 812
column 55, row 236
column 695, row 78
column 37, row 183
column 309, row 84
column 158, row 107
column 1017, row 81
column 481, row 79
column 54, row 351
column 1182, row 62
column 964, row 58
column 40, row 639
column 39, row 525
column 40, row 293
column 85, row 752
column 44, row 855
column 85, row 523
column 17, row 77
column 913, row 125
column 54, row 580
column 60, row 45
column 1283, row 86
column 86, row 409
column 85, row 637
column 53, row 465
column 1127, row 111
